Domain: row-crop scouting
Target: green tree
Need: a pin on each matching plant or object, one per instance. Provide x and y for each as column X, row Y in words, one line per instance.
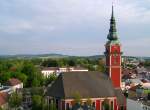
column 50, row 79
column 106, row 104
column 62, row 62
column 1, row 108
column 36, row 102
column 53, row 106
column 45, row 106
column 101, row 66
column 37, row 91
column 147, row 63
column 35, row 82
column 5, row 77
column 77, row 97
column 15, row 100
column 28, row 68
column 72, row 62
column 23, row 78
column 34, row 76
column 50, row 63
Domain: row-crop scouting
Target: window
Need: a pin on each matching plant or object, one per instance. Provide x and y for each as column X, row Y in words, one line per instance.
column 105, row 104
column 121, row 108
column 67, row 106
column 56, row 103
column 112, row 106
column 103, row 108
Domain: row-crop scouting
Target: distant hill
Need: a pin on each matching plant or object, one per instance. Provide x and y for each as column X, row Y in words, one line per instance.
column 53, row 55
column 30, row 56
column 96, row 57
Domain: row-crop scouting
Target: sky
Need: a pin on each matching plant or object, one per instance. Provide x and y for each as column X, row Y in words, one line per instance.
column 72, row 27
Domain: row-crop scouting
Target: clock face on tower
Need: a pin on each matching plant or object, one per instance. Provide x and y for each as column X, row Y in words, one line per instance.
column 115, row 58
column 115, row 50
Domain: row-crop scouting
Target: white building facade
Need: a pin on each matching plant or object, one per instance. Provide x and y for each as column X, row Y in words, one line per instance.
column 56, row 71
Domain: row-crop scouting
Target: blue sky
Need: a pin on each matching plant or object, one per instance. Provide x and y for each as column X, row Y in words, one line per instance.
column 73, row 27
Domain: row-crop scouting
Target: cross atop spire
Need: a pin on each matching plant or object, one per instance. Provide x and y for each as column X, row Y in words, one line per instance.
column 112, row 31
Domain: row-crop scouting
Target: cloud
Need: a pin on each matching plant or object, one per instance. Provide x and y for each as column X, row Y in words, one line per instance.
column 65, row 25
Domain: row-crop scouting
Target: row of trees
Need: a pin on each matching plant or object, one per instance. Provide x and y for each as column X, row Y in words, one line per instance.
column 91, row 64
column 24, row 70
column 15, row 100
column 37, row 97
column 146, row 63
column 28, row 71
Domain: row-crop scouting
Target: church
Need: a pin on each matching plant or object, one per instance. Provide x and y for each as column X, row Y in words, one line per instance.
column 100, row 91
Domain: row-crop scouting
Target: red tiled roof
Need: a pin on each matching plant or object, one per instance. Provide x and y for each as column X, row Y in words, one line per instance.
column 3, row 98
column 13, row 81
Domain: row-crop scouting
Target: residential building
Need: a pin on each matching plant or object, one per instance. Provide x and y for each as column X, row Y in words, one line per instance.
column 4, row 100
column 6, row 89
column 49, row 71
column 15, row 84
column 57, row 70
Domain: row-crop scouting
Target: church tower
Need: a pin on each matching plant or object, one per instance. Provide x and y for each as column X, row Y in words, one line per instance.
column 113, row 54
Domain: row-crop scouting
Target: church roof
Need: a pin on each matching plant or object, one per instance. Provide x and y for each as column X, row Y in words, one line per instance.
column 120, row 96
column 87, row 84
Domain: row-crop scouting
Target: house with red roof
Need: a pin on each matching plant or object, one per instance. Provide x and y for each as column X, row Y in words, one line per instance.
column 4, row 100
column 15, row 84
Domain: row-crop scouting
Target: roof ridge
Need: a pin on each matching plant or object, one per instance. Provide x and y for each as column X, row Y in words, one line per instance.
column 63, row 84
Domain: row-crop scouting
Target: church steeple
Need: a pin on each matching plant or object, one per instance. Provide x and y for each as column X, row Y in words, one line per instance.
column 113, row 54
column 112, row 31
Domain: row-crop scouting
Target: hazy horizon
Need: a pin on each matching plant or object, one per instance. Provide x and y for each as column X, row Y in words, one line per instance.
column 65, row 55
